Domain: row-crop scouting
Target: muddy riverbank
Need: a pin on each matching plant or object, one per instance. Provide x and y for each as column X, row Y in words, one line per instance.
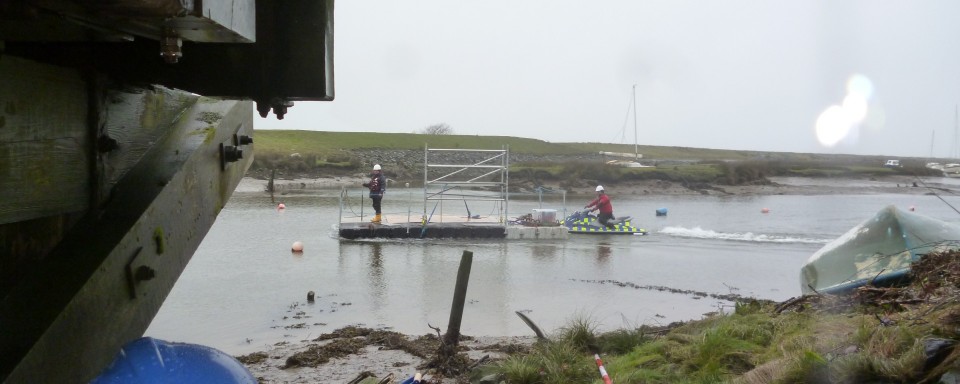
column 352, row 352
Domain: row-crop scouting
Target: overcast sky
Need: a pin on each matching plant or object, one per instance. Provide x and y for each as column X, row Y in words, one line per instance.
column 747, row 74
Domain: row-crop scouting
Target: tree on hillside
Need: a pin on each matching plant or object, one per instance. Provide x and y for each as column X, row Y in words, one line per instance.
column 438, row 129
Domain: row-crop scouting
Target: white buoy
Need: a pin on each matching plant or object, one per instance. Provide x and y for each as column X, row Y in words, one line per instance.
column 297, row 247
column 765, row 210
column 281, row 206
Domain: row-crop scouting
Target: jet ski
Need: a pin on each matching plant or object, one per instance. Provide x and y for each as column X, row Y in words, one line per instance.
column 586, row 222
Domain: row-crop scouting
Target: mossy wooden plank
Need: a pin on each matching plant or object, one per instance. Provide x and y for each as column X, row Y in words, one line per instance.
column 45, row 152
column 135, row 120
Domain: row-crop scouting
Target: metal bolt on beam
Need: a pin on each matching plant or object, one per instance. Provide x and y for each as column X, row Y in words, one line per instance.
column 232, row 153
column 170, row 49
column 229, row 154
column 144, row 273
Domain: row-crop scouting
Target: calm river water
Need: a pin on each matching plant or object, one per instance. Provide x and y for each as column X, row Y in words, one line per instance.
column 244, row 290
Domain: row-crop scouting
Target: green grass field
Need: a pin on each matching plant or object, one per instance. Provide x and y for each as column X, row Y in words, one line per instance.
column 326, row 143
column 335, row 152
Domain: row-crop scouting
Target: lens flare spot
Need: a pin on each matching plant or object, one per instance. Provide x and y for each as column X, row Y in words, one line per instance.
column 855, row 107
column 860, row 85
column 832, row 126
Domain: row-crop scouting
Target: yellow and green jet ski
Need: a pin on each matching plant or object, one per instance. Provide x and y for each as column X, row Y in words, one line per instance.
column 585, row 222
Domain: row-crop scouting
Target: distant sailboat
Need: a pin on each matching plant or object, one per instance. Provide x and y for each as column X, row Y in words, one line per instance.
column 635, row 163
column 953, row 169
column 933, row 140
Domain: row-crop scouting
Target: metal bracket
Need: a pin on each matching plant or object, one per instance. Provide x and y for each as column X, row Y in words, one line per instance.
column 131, row 269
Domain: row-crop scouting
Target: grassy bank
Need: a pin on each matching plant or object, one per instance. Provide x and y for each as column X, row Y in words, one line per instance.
column 874, row 335
column 322, row 144
column 317, row 154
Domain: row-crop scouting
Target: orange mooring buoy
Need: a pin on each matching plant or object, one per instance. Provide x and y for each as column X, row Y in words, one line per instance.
column 765, row 210
column 281, row 206
column 296, row 247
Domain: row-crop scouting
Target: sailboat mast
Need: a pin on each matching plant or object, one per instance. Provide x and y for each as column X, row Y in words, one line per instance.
column 933, row 139
column 955, row 150
column 636, row 150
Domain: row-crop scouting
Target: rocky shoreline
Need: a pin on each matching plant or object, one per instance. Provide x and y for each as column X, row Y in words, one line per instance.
column 895, row 184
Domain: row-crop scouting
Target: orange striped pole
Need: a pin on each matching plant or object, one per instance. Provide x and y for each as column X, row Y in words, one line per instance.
column 603, row 372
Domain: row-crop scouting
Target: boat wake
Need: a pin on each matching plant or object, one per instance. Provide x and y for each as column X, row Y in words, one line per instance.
column 700, row 233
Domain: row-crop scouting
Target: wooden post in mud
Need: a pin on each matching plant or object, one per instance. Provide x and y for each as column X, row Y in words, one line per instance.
column 452, row 336
column 273, row 174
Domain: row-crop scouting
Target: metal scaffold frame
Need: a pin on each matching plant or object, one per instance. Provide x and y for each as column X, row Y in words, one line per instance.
column 484, row 180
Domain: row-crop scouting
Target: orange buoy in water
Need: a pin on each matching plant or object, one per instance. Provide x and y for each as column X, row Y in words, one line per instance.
column 281, row 206
column 296, row 247
column 765, row 210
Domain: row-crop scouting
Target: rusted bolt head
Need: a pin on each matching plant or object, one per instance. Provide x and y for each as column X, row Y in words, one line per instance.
column 231, row 153
column 144, row 273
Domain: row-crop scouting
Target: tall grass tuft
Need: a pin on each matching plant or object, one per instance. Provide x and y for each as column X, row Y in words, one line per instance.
column 891, row 354
column 564, row 362
column 520, row 370
column 581, row 334
column 621, row 341
column 549, row 363
column 808, row 367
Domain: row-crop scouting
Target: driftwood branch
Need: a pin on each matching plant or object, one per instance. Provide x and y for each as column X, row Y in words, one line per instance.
column 791, row 302
column 361, row 376
column 478, row 362
column 530, row 323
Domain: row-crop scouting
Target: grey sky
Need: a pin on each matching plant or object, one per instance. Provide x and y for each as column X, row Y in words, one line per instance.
column 749, row 74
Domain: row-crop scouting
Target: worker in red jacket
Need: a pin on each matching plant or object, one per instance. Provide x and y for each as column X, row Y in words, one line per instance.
column 602, row 203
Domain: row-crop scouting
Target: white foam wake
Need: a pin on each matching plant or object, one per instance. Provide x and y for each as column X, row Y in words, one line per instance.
column 701, row 233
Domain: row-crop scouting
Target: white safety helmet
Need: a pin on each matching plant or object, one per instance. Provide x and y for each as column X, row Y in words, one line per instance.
column 599, row 188
column 376, row 167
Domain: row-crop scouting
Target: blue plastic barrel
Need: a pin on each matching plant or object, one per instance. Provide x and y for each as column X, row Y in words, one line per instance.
column 149, row 360
column 661, row 211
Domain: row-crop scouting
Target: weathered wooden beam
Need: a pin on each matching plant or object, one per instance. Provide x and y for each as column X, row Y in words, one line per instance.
column 133, row 120
column 290, row 60
column 44, row 141
column 208, row 21
column 103, row 284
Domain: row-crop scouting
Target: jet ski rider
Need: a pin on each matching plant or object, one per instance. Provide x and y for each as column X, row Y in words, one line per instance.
column 602, row 203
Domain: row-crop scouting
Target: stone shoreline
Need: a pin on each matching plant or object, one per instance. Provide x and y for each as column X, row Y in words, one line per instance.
column 777, row 186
